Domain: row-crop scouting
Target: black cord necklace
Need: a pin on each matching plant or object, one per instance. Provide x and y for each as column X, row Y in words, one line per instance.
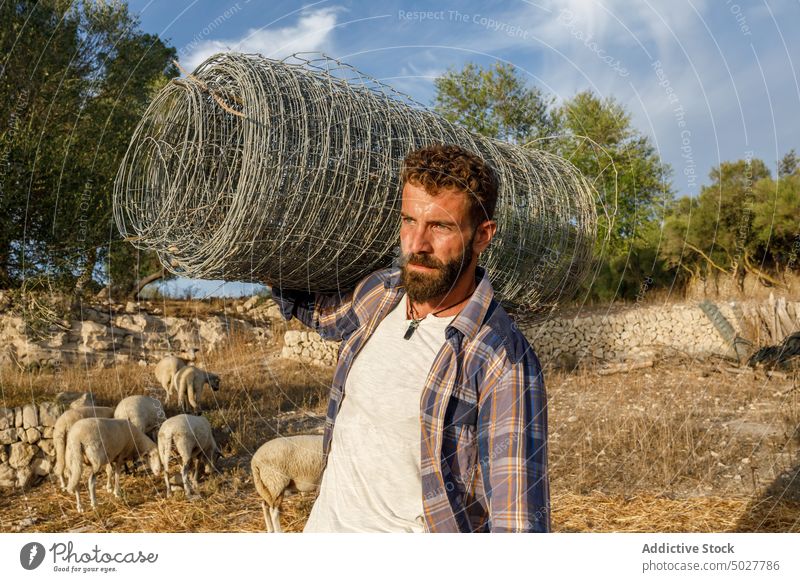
column 412, row 327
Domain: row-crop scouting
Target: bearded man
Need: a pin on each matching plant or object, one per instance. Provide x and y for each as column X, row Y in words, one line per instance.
column 437, row 416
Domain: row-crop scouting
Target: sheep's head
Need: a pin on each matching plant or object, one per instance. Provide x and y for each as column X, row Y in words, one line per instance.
column 213, row 381
column 154, row 461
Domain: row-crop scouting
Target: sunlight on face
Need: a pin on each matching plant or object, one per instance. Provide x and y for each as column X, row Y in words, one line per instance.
column 436, row 239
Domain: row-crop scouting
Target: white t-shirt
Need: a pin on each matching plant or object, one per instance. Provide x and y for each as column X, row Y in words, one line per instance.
column 372, row 481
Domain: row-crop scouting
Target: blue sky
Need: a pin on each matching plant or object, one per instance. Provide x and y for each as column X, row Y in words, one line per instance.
column 707, row 81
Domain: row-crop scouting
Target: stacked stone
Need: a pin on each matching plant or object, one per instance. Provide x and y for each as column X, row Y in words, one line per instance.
column 104, row 340
column 309, row 347
column 26, row 443
column 630, row 334
column 636, row 333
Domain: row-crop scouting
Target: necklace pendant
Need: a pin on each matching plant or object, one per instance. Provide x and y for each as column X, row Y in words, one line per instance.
column 412, row 327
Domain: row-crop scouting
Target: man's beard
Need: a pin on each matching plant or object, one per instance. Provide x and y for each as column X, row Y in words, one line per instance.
column 421, row 286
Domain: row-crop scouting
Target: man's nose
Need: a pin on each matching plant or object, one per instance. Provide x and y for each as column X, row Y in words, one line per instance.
column 418, row 241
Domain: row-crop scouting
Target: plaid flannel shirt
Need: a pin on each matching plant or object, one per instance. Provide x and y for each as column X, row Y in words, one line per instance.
column 483, row 409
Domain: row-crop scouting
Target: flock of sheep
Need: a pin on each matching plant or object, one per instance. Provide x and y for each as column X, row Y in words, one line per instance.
column 138, row 429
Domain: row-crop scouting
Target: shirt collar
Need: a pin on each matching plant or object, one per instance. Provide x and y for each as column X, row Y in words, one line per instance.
column 469, row 320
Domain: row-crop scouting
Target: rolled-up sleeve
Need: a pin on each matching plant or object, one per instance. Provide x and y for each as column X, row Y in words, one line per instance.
column 512, row 444
column 331, row 316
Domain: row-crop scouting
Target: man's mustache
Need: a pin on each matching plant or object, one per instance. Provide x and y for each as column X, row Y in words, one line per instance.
column 422, row 260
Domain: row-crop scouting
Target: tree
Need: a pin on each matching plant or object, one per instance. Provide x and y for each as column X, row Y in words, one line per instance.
column 75, row 78
column 788, row 164
column 730, row 222
column 494, row 102
column 597, row 136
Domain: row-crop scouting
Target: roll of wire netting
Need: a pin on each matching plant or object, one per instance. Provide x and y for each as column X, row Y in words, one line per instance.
column 288, row 172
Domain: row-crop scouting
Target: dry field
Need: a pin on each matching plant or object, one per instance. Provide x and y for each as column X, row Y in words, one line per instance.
column 684, row 446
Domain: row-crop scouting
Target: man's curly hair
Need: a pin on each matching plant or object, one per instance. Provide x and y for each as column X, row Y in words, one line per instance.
column 451, row 167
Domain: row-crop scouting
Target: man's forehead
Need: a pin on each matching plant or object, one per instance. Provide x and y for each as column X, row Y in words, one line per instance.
column 446, row 201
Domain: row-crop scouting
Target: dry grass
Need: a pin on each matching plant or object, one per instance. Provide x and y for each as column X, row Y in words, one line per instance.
column 679, row 447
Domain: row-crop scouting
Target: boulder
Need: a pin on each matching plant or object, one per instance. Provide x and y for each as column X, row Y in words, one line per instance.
column 8, row 476
column 47, row 446
column 30, row 416
column 25, row 477
column 32, row 435
column 6, row 418
column 41, row 467
column 8, row 436
column 21, row 454
column 48, row 413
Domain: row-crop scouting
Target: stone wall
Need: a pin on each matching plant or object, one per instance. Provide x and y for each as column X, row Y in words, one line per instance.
column 105, row 336
column 308, row 346
column 26, row 443
column 626, row 334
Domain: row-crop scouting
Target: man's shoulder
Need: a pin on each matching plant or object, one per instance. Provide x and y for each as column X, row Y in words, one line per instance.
column 379, row 279
column 500, row 333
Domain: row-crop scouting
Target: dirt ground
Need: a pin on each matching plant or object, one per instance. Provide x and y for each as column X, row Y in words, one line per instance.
column 683, row 446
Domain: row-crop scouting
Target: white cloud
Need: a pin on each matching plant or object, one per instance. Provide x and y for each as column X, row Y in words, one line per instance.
column 312, row 32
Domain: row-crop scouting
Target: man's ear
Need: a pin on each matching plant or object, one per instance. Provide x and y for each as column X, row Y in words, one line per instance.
column 483, row 235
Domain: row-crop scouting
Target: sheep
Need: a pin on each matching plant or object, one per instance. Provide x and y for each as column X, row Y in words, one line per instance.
column 165, row 370
column 190, row 380
column 62, row 426
column 285, row 464
column 144, row 412
column 105, row 441
column 192, row 437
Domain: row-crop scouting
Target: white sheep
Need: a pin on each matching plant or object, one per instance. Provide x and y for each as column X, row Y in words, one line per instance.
column 166, row 370
column 105, row 441
column 192, row 437
column 189, row 382
column 285, row 464
column 144, row 412
column 62, row 426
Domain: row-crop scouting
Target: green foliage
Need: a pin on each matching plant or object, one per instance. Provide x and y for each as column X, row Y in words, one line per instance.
column 494, row 102
column 743, row 222
column 76, row 80
column 597, row 136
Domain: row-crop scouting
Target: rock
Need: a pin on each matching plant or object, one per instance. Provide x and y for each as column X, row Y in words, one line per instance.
column 32, row 435
column 131, row 307
column 8, row 436
column 140, row 322
column 47, row 445
column 48, row 413
column 25, row 477
column 21, row 454
column 18, row 416
column 251, row 303
column 291, row 338
column 6, row 418
column 3, row 454
column 41, row 467
column 47, row 432
column 20, row 434
column 96, row 316
column 30, row 416
column 8, row 476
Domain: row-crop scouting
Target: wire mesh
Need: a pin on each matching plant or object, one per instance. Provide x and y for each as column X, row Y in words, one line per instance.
column 288, row 172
